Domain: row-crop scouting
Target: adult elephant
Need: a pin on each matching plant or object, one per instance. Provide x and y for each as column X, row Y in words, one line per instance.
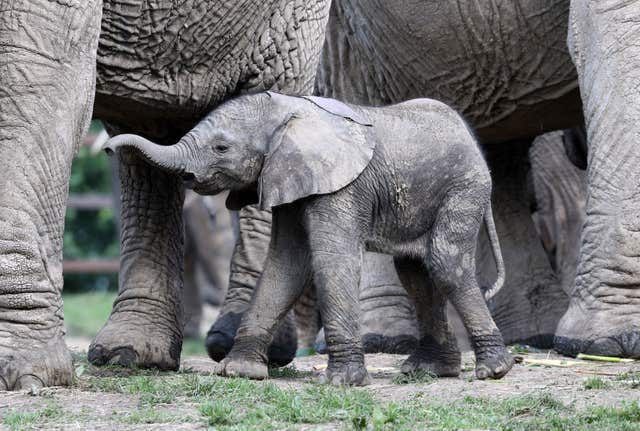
column 160, row 67
column 515, row 70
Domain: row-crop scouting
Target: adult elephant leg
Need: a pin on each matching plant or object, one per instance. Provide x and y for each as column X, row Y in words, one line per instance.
column 604, row 312
column 308, row 322
column 47, row 75
column 560, row 192
column 145, row 326
column 530, row 304
column 246, row 267
column 387, row 316
column 192, row 295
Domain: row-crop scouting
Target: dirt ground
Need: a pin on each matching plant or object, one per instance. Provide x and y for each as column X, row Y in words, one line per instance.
column 87, row 409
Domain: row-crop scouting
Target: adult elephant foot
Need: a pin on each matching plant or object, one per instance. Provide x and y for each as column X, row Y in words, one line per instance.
column 388, row 320
column 387, row 315
column 146, row 324
column 128, row 341
column 604, row 314
column 435, row 359
column 530, row 304
column 35, row 364
column 220, row 339
column 584, row 330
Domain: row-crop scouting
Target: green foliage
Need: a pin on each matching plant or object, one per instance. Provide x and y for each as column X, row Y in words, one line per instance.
column 90, row 173
column 90, row 233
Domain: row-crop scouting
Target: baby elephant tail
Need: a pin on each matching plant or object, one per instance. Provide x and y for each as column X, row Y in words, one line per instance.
column 497, row 254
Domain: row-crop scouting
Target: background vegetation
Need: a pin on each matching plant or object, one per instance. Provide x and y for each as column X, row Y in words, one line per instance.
column 90, row 234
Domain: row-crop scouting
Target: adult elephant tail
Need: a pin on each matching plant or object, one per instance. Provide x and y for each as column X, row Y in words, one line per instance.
column 497, row 254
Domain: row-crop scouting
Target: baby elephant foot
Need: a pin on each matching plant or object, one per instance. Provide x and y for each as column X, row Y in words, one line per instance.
column 434, row 359
column 240, row 367
column 493, row 360
column 350, row 373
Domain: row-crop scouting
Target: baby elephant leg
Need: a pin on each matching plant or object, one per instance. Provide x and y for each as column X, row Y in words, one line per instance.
column 437, row 352
column 451, row 264
column 336, row 258
column 286, row 272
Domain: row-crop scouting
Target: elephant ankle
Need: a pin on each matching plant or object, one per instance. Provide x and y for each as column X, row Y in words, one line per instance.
column 345, row 354
column 250, row 348
column 395, row 344
column 487, row 346
column 447, row 352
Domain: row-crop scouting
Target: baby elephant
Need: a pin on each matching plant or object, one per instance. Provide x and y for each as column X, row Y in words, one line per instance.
column 407, row 180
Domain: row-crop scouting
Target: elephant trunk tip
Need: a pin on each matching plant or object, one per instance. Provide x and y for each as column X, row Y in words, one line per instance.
column 169, row 158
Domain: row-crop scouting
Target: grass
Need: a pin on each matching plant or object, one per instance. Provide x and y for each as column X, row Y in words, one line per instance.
column 419, row 376
column 21, row 420
column 240, row 404
column 595, row 383
column 288, row 372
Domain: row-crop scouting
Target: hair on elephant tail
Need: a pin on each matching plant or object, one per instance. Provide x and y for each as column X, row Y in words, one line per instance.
column 497, row 254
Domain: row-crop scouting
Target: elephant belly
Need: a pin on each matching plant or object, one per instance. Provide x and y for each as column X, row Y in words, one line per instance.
column 162, row 65
column 504, row 65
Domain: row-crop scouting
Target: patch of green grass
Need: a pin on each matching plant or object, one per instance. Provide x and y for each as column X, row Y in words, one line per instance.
column 86, row 313
column 288, row 372
column 418, row 376
column 241, row 404
column 217, row 412
column 19, row 420
column 595, row 383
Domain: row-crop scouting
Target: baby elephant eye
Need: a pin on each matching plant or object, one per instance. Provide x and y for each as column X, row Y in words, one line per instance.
column 221, row 148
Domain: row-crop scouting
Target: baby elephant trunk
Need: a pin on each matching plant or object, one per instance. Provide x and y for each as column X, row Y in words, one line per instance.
column 174, row 159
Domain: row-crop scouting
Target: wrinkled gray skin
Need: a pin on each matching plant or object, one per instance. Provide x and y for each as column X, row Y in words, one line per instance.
column 158, row 80
column 559, row 188
column 159, row 72
column 510, row 69
column 160, row 68
column 413, row 185
column 46, row 93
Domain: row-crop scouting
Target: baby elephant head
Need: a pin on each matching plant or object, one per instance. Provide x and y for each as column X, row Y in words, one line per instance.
column 266, row 148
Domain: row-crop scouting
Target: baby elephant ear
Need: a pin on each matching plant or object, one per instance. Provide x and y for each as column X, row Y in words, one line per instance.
column 320, row 151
